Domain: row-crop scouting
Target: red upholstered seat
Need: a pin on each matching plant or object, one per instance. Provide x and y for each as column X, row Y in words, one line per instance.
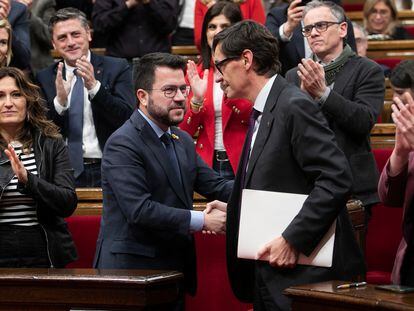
column 213, row 292
column 383, row 235
column 410, row 29
column 84, row 230
column 389, row 62
column 350, row 7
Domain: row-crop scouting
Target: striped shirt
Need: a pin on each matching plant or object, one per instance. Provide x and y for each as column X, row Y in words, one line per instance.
column 17, row 208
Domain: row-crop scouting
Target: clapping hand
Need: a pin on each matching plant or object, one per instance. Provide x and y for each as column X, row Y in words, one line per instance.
column 198, row 84
column 17, row 165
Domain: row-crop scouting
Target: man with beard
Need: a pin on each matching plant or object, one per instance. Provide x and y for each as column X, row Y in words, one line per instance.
column 150, row 170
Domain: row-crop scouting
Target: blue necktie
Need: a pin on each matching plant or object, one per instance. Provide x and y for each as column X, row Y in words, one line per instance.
column 76, row 126
column 246, row 151
column 172, row 156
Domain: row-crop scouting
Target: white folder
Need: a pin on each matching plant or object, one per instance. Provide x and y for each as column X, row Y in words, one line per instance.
column 265, row 215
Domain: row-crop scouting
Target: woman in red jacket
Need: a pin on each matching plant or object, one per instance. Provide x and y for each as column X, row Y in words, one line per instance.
column 250, row 9
column 219, row 123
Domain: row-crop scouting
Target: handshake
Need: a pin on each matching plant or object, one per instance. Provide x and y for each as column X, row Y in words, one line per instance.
column 215, row 217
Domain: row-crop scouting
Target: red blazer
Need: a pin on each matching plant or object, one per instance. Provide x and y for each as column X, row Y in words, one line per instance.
column 235, row 121
column 399, row 191
column 250, row 9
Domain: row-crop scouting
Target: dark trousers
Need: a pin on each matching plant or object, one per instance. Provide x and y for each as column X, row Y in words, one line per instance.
column 90, row 177
column 23, row 247
column 224, row 169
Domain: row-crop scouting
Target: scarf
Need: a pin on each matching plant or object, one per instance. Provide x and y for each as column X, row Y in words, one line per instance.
column 332, row 69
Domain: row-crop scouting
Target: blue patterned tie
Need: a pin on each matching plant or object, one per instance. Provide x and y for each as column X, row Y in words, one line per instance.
column 76, row 126
column 172, row 156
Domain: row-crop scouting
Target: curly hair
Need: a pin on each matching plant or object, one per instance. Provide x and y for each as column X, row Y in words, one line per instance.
column 36, row 119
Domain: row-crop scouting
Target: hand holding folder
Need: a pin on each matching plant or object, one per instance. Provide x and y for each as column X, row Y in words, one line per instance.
column 265, row 215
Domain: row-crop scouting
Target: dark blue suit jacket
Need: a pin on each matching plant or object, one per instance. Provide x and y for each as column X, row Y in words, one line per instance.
column 111, row 106
column 19, row 22
column 146, row 212
column 292, row 52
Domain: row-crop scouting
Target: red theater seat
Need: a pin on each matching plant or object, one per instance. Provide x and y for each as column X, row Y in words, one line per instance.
column 84, row 230
column 383, row 234
column 389, row 62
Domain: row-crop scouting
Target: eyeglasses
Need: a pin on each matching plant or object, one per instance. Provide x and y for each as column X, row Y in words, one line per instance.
column 319, row 26
column 171, row 90
column 219, row 65
column 380, row 12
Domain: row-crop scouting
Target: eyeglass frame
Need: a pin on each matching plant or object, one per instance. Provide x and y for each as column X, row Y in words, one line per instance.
column 382, row 12
column 219, row 65
column 176, row 88
column 326, row 23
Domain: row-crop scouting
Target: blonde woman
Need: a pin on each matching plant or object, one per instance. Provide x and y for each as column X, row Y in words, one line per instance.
column 5, row 43
column 381, row 21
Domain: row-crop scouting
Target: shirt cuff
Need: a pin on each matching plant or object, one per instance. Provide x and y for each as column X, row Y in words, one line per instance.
column 59, row 108
column 282, row 35
column 196, row 221
column 324, row 97
column 92, row 92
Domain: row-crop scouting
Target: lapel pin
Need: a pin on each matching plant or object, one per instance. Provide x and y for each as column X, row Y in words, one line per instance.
column 173, row 136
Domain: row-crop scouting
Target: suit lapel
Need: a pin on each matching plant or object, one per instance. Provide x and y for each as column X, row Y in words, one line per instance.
column 184, row 169
column 266, row 124
column 154, row 144
column 344, row 76
column 97, row 62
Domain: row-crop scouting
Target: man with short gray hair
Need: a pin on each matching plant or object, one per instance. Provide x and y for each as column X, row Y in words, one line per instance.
column 349, row 90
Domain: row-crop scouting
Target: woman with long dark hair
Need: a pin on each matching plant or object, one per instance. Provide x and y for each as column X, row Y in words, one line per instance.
column 36, row 180
column 220, row 124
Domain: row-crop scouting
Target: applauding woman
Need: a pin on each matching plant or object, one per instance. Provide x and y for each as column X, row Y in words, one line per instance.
column 220, row 124
column 37, row 184
column 396, row 185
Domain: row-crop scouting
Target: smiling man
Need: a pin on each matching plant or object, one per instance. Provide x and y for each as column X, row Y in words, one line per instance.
column 288, row 148
column 348, row 88
column 88, row 96
column 149, row 171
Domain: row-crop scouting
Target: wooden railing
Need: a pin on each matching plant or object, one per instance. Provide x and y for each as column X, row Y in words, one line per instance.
column 401, row 49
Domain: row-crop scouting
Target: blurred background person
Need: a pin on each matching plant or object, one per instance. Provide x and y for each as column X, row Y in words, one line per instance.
column 250, row 9
column 184, row 33
column 284, row 22
column 381, row 21
column 221, row 123
column 5, row 43
column 402, row 79
column 396, row 185
column 361, row 40
column 37, row 180
column 135, row 27
column 40, row 13
column 17, row 15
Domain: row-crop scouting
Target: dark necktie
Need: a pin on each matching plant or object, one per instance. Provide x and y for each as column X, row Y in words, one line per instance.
column 246, row 151
column 76, row 126
column 172, row 156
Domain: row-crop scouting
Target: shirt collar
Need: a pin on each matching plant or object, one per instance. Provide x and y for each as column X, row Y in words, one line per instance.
column 260, row 101
column 154, row 126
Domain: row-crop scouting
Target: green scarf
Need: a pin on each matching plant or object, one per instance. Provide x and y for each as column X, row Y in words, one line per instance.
column 332, row 69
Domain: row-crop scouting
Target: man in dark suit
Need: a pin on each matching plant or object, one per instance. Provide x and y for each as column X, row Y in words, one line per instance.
column 349, row 90
column 291, row 150
column 284, row 22
column 102, row 105
column 150, row 170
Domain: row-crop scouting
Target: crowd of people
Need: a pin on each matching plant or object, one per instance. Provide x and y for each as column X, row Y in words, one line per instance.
column 281, row 103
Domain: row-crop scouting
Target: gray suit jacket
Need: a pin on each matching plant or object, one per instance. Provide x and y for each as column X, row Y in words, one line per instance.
column 352, row 109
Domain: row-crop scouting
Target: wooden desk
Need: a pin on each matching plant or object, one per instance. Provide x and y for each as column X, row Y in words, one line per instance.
column 401, row 49
column 325, row 297
column 63, row 289
column 406, row 17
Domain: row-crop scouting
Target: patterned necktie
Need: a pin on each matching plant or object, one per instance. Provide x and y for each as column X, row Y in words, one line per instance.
column 76, row 126
column 172, row 156
column 246, row 151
